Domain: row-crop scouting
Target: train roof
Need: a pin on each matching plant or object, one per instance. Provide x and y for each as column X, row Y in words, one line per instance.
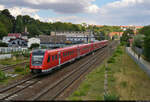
column 61, row 49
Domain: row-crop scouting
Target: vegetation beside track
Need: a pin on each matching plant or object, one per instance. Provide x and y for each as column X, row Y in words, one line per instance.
column 2, row 76
column 13, row 60
column 23, row 70
column 126, row 81
column 19, row 72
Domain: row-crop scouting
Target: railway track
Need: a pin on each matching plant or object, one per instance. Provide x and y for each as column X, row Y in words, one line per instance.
column 14, row 88
column 11, row 66
column 10, row 92
column 58, row 87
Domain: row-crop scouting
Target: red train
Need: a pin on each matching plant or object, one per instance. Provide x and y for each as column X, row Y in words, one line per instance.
column 46, row 60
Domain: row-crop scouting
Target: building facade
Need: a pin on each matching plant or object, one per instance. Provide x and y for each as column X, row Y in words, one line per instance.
column 17, row 42
column 76, row 36
column 32, row 41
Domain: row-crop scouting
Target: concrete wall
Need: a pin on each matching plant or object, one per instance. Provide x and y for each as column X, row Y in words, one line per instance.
column 4, row 56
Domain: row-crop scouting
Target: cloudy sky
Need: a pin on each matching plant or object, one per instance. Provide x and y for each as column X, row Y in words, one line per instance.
column 100, row 12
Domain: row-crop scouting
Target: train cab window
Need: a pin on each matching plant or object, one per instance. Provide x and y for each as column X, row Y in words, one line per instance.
column 56, row 57
column 53, row 58
column 48, row 60
column 64, row 54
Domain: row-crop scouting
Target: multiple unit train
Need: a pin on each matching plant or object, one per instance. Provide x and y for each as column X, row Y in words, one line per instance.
column 47, row 60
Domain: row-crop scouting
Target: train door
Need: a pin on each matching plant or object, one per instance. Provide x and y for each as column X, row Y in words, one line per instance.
column 59, row 58
column 78, row 52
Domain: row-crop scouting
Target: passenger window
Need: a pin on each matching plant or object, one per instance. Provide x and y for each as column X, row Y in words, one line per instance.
column 56, row 57
column 53, row 58
column 71, row 53
column 48, row 60
column 63, row 54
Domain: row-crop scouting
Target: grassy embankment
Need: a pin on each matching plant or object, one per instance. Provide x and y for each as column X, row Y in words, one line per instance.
column 21, row 71
column 126, row 81
column 13, row 60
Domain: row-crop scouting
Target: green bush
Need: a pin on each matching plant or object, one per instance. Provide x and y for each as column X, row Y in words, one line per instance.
column 3, row 44
column 124, row 84
column 35, row 45
column 16, row 54
column 2, row 76
column 19, row 69
column 26, row 54
column 43, row 47
column 108, row 69
column 146, row 44
column 138, row 41
column 110, row 97
column 111, row 60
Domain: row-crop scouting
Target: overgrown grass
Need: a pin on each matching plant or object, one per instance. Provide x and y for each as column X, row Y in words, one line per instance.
column 22, row 70
column 126, row 81
column 13, row 60
column 3, row 76
column 92, row 87
column 111, row 97
column 130, row 82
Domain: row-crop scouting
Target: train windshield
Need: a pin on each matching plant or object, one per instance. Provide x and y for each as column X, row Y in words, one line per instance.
column 37, row 59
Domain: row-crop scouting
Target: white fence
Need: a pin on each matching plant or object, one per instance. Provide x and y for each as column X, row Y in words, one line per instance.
column 4, row 56
column 11, row 49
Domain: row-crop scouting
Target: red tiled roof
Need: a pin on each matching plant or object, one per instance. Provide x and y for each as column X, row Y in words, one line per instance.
column 17, row 35
column 116, row 33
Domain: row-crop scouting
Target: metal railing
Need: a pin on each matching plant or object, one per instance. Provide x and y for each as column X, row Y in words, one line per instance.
column 4, row 50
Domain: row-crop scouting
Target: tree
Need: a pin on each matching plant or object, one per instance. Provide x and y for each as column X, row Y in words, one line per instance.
column 127, row 35
column 19, row 24
column 33, row 30
column 138, row 41
column 35, row 45
column 146, row 32
column 3, row 44
column 3, row 31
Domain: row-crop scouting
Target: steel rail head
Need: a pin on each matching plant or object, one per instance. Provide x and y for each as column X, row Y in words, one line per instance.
column 16, row 84
column 8, row 67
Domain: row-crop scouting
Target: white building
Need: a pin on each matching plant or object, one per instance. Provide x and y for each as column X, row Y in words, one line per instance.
column 76, row 36
column 6, row 39
column 32, row 41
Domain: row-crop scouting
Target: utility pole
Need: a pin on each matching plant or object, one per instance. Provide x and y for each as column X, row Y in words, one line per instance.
column 55, row 38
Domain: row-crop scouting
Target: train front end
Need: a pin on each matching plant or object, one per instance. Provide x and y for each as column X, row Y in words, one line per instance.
column 36, row 61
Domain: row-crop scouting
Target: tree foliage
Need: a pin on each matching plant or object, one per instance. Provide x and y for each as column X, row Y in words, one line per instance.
column 3, row 44
column 8, row 24
column 127, row 35
column 146, row 32
column 35, row 45
column 3, row 30
column 138, row 41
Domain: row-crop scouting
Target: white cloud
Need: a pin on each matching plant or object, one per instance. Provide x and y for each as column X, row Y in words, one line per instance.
column 92, row 9
column 125, row 12
column 1, row 7
column 120, row 12
column 59, row 6
column 22, row 11
column 72, row 19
